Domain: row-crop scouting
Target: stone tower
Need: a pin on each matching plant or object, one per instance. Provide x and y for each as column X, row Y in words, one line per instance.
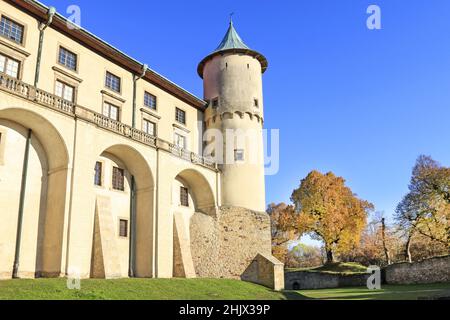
column 232, row 77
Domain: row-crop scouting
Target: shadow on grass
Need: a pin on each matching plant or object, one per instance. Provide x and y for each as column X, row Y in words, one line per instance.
column 294, row 295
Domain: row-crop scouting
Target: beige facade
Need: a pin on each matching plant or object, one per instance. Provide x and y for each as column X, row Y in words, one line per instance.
column 101, row 173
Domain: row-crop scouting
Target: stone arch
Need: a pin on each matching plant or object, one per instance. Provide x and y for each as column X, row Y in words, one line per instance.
column 199, row 189
column 186, row 220
column 54, row 158
column 140, row 211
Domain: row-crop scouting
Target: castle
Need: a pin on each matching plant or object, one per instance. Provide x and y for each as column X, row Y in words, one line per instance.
column 103, row 172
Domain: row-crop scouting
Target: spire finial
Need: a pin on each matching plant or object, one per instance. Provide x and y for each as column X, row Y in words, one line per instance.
column 231, row 18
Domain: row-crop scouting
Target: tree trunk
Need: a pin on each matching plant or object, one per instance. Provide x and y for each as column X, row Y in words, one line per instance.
column 383, row 234
column 330, row 257
column 408, row 250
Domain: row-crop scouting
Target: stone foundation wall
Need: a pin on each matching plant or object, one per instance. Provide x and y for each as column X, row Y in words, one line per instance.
column 435, row 270
column 304, row 280
column 225, row 244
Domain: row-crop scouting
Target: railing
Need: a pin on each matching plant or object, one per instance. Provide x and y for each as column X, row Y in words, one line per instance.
column 14, row 86
column 47, row 99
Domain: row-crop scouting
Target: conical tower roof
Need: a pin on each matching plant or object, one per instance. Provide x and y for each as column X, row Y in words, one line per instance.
column 232, row 42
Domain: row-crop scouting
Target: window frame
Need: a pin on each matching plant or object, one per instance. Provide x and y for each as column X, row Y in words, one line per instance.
column 180, row 111
column 146, row 93
column 113, row 76
column 127, row 228
column 19, row 67
column 106, row 102
column 3, row 136
column 239, row 151
column 114, row 179
column 18, row 23
column 101, row 174
column 184, row 196
column 61, row 47
column 175, row 140
column 65, row 84
column 144, row 121
column 215, row 103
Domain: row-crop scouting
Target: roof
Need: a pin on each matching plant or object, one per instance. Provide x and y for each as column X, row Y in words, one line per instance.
column 231, row 40
column 108, row 51
column 233, row 43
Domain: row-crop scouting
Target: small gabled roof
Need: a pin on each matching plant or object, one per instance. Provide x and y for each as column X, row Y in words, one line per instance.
column 232, row 42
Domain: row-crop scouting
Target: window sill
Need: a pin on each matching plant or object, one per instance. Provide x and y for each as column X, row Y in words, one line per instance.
column 14, row 46
column 67, row 74
column 114, row 95
column 151, row 112
column 181, row 127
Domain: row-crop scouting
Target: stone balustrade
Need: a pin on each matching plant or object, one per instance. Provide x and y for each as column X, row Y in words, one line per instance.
column 46, row 99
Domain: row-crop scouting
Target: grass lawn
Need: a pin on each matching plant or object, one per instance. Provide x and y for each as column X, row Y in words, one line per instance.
column 388, row 292
column 196, row 289
column 136, row 289
column 336, row 268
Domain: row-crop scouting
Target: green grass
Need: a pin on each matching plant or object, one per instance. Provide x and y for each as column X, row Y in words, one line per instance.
column 388, row 292
column 336, row 268
column 136, row 289
column 197, row 289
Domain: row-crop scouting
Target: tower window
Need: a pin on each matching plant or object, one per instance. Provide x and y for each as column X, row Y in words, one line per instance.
column 215, row 103
column 184, row 197
column 118, row 179
column 123, row 228
column 112, row 82
column 180, row 116
column 11, row 30
column 239, row 155
column 256, row 103
column 98, row 174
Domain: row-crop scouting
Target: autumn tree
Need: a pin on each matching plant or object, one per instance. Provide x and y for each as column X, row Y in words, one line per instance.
column 425, row 210
column 284, row 228
column 378, row 244
column 330, row 212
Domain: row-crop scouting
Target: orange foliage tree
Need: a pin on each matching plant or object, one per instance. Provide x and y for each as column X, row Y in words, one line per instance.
column 329, row 211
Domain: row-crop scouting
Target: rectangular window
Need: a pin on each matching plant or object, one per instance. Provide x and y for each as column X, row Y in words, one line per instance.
column 184, row 197
column 149, row 127
column 180, row 116
column 215, row 103
column 112, row 82
column 150, row 101
column 67, row 59
column 64, row 91
column 98, row 174
column 180, row 141
column 9, row 66
column 111, row 111
column 256, row 102
column 123, row 228
column 238, row 155
column 11, row 30
column 118, row 179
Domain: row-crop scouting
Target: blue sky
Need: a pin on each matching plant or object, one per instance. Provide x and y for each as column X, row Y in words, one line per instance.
column 363, row 104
